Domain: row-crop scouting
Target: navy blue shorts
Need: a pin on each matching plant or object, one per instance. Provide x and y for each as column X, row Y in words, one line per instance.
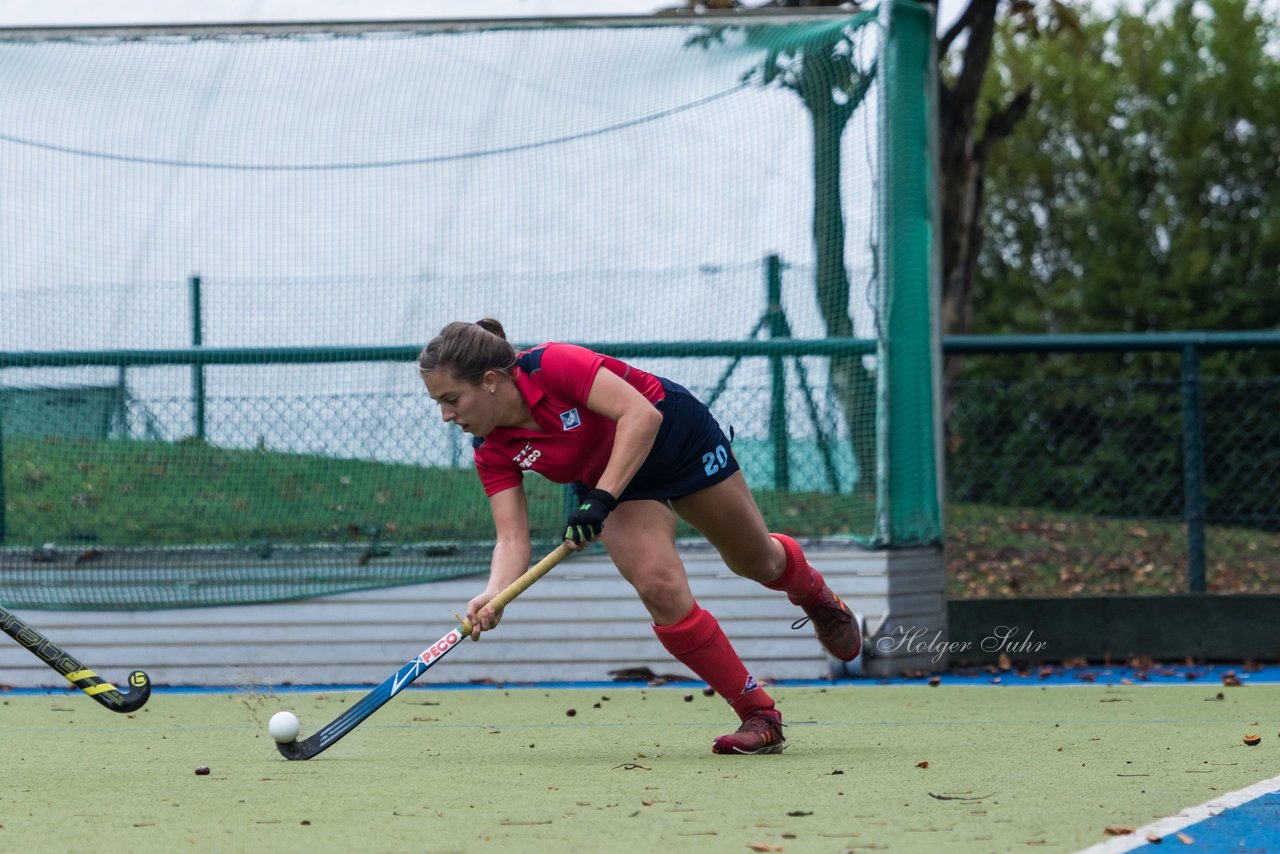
column 689, row 454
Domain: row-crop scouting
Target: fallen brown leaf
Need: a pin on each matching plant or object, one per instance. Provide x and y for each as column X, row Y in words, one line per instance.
column 968, row 797
column 764, row 846
column 1185, row 840
column 1118, row 830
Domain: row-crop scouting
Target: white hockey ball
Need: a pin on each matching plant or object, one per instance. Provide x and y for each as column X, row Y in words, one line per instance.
column 284, row 726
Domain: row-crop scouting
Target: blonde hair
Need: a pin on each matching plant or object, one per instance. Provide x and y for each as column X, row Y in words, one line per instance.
column 468, row 350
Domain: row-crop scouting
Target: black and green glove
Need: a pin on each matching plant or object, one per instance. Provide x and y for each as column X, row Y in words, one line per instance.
column 586, row 523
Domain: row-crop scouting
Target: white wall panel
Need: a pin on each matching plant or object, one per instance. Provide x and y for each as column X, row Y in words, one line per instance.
column 577, row 624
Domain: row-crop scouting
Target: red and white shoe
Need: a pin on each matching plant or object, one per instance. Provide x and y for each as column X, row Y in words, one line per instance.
column 760, row 733
column 833, row 623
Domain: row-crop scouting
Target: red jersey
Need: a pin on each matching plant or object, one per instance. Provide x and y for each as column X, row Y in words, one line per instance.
column 574, row 442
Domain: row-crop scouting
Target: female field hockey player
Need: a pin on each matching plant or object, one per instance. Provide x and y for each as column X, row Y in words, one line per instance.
column 638, row 450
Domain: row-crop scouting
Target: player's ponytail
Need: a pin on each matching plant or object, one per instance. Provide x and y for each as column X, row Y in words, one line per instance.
column 468, row 350
column 492, row 326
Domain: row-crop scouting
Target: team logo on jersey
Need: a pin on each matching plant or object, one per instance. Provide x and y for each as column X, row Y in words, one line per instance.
column 570, row 419
column 527, row 457
column 750, row 684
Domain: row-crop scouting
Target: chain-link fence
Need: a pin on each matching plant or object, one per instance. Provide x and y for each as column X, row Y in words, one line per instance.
column 85, row 468
column 1067, row 474
column 117, row 492
column 1140, row 473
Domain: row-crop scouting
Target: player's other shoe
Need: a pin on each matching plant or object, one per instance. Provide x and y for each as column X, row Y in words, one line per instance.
column 833, row 623
column 760, row 733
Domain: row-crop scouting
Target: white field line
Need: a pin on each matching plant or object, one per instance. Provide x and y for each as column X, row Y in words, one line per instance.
column 1167, row 826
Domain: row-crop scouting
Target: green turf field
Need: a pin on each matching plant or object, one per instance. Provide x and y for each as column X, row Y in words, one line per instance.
column 1008, row 768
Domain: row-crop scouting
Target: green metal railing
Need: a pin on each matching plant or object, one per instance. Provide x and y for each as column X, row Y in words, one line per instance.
column 241, row 356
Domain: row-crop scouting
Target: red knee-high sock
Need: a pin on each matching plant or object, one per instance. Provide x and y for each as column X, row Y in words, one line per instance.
column 698, row 642
column 800, row 581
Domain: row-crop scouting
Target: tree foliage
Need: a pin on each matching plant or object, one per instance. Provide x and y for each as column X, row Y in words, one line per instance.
column 1142, row 190
column 1138, row 194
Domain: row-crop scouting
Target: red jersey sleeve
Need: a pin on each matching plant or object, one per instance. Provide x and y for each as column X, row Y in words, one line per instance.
column 570, row 370
column 496, row 474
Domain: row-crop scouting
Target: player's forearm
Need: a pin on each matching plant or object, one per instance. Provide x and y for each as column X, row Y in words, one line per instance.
column 509, row 561
column 632, row 441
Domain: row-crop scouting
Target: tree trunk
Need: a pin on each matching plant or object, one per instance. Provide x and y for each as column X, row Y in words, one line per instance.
column 853, row 385
column 962, row 168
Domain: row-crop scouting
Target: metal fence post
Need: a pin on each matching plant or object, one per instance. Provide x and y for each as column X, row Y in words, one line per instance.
column 1193, row 467
column 778, row 371
column 197, row 370
column 122, row 402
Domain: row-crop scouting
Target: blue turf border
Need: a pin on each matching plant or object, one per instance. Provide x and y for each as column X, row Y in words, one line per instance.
column 1207, row 675
column 1245, row 820
column 1252, row 826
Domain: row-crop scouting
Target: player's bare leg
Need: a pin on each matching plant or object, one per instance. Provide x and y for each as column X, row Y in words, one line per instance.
column 727, row 515
column 640, row 538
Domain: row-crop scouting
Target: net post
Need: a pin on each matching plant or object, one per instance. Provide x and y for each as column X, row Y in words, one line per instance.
column 778, row 374
column 910, row 505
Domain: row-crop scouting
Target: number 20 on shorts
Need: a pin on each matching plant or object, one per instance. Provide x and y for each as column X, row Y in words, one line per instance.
column 713, row 461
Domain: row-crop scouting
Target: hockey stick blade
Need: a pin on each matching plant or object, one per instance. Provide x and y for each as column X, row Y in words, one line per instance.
column 371, row 702
column 131, row 699
column 329, row 734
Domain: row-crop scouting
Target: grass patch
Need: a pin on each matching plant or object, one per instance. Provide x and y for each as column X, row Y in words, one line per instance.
column 152, row 493
column 1021, row 552
column 126, row 493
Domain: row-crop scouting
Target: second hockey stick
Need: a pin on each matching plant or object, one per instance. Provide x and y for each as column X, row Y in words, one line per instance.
column 108, row 695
